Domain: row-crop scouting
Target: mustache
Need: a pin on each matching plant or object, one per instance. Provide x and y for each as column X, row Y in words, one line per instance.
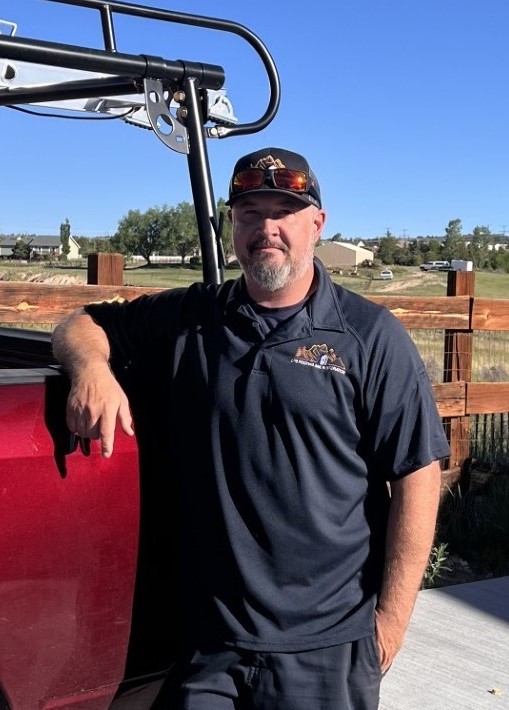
column 264, row 243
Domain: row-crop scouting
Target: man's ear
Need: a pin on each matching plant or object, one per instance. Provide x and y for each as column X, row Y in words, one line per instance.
column 319, row 223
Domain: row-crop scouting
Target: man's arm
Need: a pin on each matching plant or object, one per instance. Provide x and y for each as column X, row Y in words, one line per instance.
column 96, row 400
column 410, row 533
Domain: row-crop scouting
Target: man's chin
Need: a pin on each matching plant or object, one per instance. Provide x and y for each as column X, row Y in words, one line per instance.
column 269, row 275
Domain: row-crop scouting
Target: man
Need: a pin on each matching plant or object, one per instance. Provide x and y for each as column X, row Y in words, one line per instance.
column 283, row 406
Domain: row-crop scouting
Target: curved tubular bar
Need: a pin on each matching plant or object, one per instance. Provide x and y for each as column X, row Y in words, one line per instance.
column 109, row 7
column 125, row 66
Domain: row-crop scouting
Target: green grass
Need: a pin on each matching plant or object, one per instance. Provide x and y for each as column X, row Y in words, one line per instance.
column 408, row 281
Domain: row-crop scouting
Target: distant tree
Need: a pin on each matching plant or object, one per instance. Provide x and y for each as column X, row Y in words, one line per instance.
column 65, row 234
column 500, row 260
column 141, row 233
column 478, row 250
column 454, row 244
column 407, row 256
column 415, row 252
column 387, row 248
column 22, row 249
column 430, row 249
column 338, row 237
column 181, row 229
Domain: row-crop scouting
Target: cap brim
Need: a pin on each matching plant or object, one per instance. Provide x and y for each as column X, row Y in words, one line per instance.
column 304, row 198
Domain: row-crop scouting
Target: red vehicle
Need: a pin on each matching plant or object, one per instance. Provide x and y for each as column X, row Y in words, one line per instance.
column 85, row 580
column 85, row 596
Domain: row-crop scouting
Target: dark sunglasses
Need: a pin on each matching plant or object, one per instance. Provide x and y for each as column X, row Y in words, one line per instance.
column 281, row 178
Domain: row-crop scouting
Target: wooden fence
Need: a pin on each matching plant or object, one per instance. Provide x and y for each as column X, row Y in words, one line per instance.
column 459, row 314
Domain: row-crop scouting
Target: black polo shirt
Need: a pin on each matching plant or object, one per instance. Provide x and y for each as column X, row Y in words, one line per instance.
column 280, row 447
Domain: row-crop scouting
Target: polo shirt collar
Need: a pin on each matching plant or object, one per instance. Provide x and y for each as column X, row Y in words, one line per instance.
column 323, row 306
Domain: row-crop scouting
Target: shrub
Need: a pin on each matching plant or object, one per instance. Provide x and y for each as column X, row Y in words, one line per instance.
column 475, row 524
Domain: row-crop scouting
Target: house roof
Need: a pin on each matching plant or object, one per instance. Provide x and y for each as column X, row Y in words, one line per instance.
column 38, row 241
column 345, row 245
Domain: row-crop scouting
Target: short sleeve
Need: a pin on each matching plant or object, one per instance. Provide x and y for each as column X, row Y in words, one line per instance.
column 405, row 431
column 138, row 331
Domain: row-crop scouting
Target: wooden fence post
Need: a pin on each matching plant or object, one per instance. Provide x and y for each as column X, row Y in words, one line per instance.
column 458, row 348
column 105, row 269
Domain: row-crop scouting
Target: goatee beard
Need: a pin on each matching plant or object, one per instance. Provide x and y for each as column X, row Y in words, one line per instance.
column 268, row 276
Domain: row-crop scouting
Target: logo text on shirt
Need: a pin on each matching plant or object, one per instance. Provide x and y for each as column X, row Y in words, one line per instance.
column 320, row 356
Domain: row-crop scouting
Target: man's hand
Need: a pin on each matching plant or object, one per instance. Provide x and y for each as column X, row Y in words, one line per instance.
column 96, row 401
column 389, row 637
column 410, row 531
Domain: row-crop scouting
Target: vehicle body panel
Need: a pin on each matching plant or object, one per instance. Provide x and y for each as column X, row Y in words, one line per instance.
column 69, row 541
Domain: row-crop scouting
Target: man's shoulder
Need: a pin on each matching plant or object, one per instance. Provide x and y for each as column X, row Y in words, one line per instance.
column 362, row 314
column 198, row 304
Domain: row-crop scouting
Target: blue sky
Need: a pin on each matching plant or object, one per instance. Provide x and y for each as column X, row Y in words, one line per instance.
column 401, row 106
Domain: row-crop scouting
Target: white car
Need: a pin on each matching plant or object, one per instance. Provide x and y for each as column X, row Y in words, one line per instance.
column 386, row 275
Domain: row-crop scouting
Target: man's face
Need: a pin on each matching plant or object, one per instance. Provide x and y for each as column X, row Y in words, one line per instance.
column 274, row 237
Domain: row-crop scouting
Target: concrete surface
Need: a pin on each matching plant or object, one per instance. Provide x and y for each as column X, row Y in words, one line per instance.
column 456, row 651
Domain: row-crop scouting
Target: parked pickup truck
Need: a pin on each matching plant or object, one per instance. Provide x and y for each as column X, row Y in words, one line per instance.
column 85, row 589
column 435, row 266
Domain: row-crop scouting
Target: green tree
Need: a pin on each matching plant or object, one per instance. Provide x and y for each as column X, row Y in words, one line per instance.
column 478, row 248
column 65, row 234
column 22, row 249
column 387, row 248
column 454, row 244
column 145, row 233
column 500, row 260
column 181, row 229
column 429, row 249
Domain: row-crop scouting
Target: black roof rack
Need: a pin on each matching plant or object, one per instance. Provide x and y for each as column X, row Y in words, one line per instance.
column 193, row 86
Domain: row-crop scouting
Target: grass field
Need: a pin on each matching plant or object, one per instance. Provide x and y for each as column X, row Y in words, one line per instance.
column 408, row 281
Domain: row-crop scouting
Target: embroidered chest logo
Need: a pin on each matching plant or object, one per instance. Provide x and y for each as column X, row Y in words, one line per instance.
column 321, row 357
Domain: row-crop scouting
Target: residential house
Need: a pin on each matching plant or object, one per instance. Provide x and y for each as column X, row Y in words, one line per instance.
column 44, row 246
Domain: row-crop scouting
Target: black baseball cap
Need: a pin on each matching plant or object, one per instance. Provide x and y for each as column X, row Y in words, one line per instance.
column 294, row 176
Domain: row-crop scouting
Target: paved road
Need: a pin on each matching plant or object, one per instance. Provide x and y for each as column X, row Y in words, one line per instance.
column 456, row 651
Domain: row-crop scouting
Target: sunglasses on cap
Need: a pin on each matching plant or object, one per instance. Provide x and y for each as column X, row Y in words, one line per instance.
column 280, row 178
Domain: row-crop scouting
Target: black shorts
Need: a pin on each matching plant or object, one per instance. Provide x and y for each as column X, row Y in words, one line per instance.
column 344, row 677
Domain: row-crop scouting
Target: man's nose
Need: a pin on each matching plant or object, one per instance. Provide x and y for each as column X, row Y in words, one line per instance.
column 269, row 225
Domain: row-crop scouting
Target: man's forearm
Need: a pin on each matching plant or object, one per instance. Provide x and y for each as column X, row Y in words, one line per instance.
column 410, row 533
column 78, row 342
column 96, row 401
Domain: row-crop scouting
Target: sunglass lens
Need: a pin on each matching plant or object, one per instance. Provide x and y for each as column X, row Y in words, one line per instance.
column 295, row 180
column 250, row 179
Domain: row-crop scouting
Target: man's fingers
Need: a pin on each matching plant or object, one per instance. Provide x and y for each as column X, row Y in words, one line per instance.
column 107, row 433
column 125, row 419
column 94, row 407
